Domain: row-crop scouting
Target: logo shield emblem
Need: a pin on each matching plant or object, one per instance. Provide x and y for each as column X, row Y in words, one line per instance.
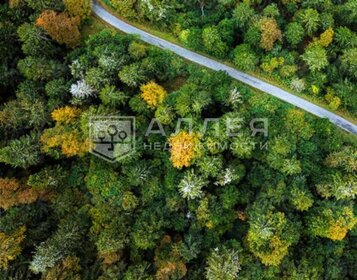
column 112, row 137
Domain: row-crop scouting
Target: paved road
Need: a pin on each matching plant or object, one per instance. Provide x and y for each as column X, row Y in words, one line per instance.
column 212, row 64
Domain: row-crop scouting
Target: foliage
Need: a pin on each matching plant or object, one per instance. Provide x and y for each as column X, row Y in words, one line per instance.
column 184, row 149
column 191, row 185
column 153, row 94
column 61, row 27
column 65, row 115
column 207, row 199
column 270, row 235
column 316, row 58
column 270, row 33
column 40, row 69
column 13, row 193
column 10, row 246
column 222, row 264
column 331, row 220
column 245, row 58
column 81, row 8
column 23, row 152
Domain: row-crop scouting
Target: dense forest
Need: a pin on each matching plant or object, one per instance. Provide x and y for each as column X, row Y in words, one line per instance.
column 202, row 204
column 309, row 46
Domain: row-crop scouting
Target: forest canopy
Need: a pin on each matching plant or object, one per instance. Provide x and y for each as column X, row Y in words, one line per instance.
column 275, row 200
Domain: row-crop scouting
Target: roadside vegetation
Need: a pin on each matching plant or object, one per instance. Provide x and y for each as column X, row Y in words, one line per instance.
column 306, row 47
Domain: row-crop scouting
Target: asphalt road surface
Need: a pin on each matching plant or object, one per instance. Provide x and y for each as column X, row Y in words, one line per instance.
column 238, row 75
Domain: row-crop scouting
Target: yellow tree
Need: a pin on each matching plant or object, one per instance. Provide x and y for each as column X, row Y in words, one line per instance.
column 326, row 37
column 61, row 27
column 66, row 136
column 68, row 268
column 153, row 94
column 65, row 115
column 70, row 142
column 10, row 246
column 185, row 147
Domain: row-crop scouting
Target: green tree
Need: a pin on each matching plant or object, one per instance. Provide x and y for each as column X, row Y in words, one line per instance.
column 213, row 42
column 294, row 33
column 125, row 8
column 64, row 242
column 245, row 58
column 270, row 235
column 40, row 5
column 34, row 41
column 345, row 37
column 243, row 13
column 310, row 20
column 40, row 69
column 81, row 8
column 349, row 62
column 23, row 152
column 109, row 95
column 316, row 58
column 331, row 220
column 222, row 264
column 191, row 185
column 133, row 75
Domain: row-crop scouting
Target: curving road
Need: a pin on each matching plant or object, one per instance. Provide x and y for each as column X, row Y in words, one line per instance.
column 238, row 75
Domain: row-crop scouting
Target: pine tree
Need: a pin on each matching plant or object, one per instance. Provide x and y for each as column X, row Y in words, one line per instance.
column 223, row 264
column 23, row 152
column 191, row 185
column 62, row 244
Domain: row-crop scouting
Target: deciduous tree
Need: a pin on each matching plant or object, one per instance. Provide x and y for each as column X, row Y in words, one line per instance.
column 81, row 8
column 153, row 94
column 315, row 57
column 245, row 58
column 184, row 149
column 61, row 27
column 270, row 33
column 331, row 220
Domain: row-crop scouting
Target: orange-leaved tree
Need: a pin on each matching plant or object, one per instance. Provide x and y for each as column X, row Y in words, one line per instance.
column 61, row 27
column 12, row 193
